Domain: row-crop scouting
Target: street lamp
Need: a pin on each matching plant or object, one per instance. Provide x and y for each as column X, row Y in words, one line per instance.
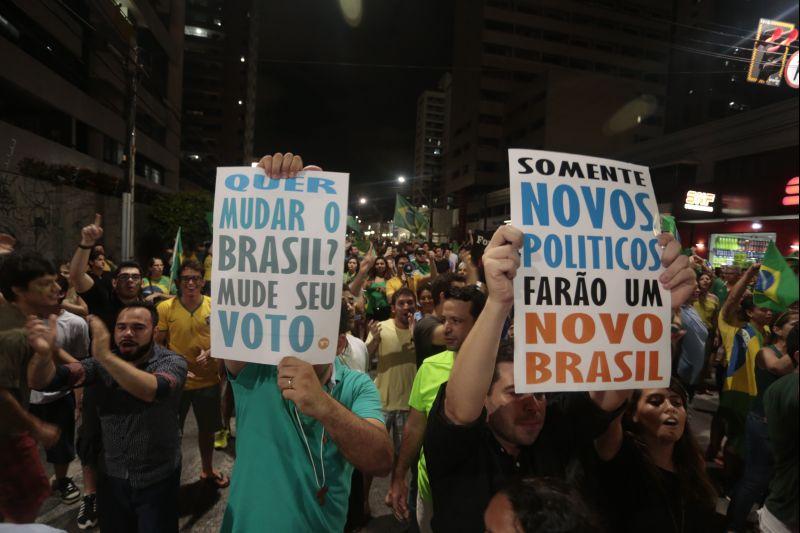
column 362, row 200
column 401, row 179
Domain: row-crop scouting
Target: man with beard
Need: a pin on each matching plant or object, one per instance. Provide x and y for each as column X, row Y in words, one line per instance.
column 104, row 301
column 138, row 387
column 459, row 310
column 481, row 432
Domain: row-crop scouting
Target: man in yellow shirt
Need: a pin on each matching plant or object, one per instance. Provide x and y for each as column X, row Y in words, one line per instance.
column 183, row 326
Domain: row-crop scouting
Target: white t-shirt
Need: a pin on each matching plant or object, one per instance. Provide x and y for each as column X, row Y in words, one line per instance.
column 355, row 354
column 453, row 261
column 73, row 337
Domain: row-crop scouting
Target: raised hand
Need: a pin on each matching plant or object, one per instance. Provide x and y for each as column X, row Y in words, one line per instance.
column 41, row 335
column 500, row 263
column 93, row 232
column 374, row 329
column 679, row 277
column 101, row 338
column 279, row 165
column 369, row 259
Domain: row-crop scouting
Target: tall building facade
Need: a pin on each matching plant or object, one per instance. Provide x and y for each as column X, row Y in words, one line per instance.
column 569, row 75
column 429, row 143
column 66, row 95
column 219, row 87
column 64, row 91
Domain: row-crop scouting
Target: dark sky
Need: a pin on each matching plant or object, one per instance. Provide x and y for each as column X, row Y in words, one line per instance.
column 358, row 119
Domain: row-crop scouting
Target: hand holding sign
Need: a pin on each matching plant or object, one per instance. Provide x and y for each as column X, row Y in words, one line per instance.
column 300, row 384
column 500, row 263
column 285, row 165
column 679, row 276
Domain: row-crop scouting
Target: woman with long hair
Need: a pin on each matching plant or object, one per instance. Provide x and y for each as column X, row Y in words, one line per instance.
column 707, row 304
column 350, row 269
column 772, row 362
column 377, row 303
column 653, row 475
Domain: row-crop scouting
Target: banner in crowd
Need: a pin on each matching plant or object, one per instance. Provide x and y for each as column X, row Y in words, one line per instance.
column 589, row 313
column 278, row 265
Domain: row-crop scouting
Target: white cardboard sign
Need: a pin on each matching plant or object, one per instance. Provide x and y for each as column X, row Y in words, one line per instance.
column 589, row 313
column 278, row 262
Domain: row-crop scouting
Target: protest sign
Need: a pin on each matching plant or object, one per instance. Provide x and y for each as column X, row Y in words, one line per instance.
column 278, row 262
column 589, row 313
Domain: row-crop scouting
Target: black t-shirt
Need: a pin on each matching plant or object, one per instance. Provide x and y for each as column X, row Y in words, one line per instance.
column 442, row 266
column 467, row 466
column 635, row 495
column 423, row 335
column 103, row 302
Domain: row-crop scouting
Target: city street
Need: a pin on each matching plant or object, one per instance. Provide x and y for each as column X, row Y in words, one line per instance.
column 202, row 507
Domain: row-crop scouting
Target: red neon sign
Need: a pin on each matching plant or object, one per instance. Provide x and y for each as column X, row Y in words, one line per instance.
column 792, row 192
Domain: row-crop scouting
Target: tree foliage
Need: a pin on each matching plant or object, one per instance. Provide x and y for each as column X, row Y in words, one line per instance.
column 186, row 210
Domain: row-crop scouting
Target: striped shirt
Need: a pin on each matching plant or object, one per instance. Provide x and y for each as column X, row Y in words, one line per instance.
column 142, row 440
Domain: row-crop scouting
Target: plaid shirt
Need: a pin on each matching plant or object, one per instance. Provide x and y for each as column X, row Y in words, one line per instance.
column 142, row 440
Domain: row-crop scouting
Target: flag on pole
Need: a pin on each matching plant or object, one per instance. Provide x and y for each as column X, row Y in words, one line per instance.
column 177, row 259
column 776, row 287
column 421, row 223
column 352, row 224
column 405, row 214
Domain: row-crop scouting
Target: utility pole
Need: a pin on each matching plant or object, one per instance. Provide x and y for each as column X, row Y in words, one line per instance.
column 132, row 65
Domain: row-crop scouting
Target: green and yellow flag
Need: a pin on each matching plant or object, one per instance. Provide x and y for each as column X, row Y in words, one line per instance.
column 421, row 223
column 352, row 224
column 668, row 225
column 776, row 287
column 405, row 214
column 177, row 259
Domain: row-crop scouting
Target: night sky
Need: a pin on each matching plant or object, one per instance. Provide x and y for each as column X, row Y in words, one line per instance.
column 358, row 119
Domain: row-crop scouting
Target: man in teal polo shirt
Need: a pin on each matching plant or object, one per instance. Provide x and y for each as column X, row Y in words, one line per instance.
column 460, row 310
column 301, row 429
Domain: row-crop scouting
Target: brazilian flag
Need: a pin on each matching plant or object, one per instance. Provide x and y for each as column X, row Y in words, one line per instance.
column 776, row 287
column 405, row 214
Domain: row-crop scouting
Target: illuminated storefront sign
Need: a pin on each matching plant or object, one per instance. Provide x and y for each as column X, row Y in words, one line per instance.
column 792, row 192
column 699, row 201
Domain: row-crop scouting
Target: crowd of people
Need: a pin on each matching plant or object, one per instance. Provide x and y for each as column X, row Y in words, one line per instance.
column 421, row 390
